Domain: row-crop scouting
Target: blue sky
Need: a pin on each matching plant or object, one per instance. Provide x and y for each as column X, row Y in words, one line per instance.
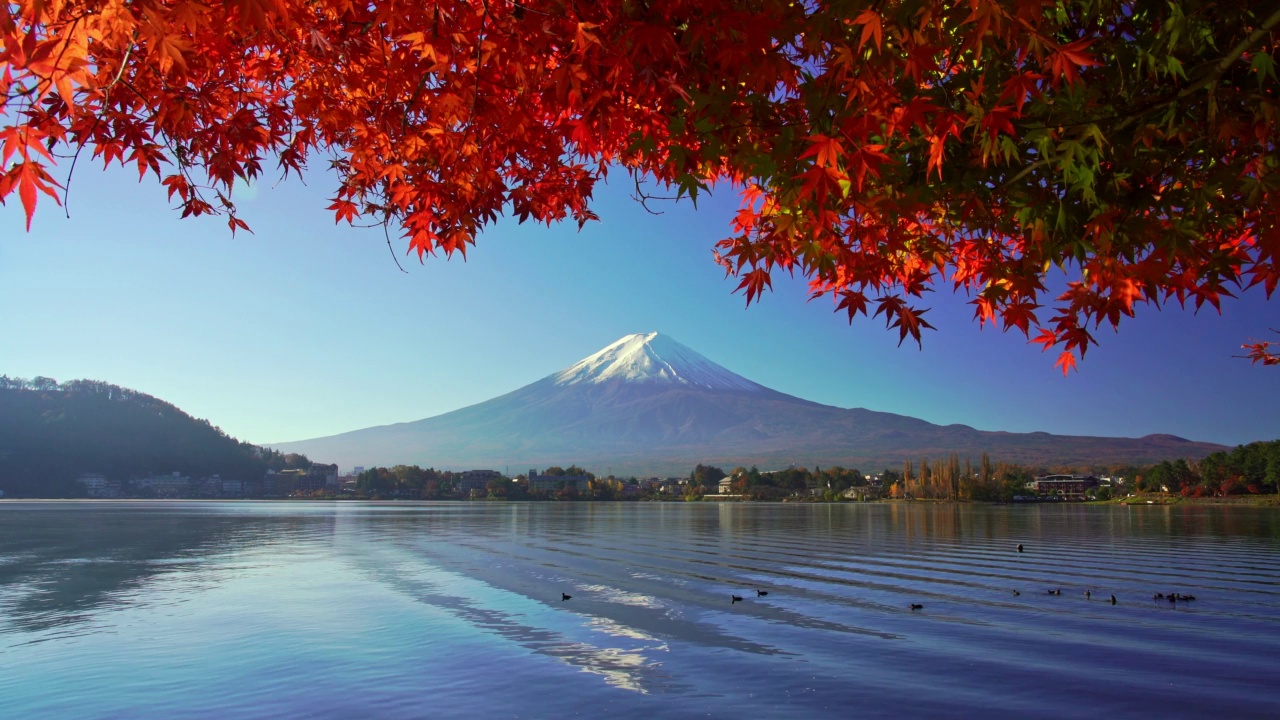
column 306, row 329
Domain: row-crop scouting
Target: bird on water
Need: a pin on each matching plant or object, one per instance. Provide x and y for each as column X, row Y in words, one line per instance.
column 1113, row 599
column 734, row 599
column 761, row 593
column 564, row 597
column 1016, row 593
column 1019, row 547
column 916, row 606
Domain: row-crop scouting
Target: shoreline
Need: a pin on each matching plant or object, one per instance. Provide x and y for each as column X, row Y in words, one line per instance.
column 1264, row 501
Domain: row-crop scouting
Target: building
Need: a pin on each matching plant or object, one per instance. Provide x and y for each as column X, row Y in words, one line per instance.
column 478, row 480
column 93, row 483
column 283, row 482
column 172, row 485
column 98, row 486
column 726, row 486
column 325, row 475
column 1067, row 486
column 552, row 483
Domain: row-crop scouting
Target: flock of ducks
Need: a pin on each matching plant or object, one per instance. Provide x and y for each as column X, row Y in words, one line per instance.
column 1088, row 594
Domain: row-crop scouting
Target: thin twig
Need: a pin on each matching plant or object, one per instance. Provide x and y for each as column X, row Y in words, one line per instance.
column 390, row 249
column 97, row 120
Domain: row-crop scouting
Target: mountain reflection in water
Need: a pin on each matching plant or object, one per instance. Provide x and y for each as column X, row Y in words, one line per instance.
column 190, row 609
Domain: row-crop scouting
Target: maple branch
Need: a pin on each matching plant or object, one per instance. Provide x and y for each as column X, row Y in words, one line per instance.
column 643, row 198
column 526, row 8
column 391, row 250
column 475, row 99
column 124, row 62
column 97, row 120
column 1225, row 63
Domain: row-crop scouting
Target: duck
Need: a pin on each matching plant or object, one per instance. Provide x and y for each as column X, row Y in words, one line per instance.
column 1088, row 595
column 734, row 599
column 916, row 606
column 1016, row 593
column 564, row 597
column 761, row 593
column 1055, row 592
column 1019, row 547
column 1113, row 599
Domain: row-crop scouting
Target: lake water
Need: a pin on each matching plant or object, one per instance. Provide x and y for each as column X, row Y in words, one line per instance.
column 399, row 610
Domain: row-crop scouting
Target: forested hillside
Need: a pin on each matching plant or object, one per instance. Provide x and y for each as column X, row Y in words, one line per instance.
column 51, row 432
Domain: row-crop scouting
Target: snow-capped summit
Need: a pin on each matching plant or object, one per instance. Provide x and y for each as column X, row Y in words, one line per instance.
column 652, row 358
column 647, row 405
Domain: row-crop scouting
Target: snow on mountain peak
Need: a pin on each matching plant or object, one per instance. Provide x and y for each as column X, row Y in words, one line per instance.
column 652, row 357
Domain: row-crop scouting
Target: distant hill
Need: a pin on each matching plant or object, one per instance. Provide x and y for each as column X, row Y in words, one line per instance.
column 647, row 404
column 52, row 432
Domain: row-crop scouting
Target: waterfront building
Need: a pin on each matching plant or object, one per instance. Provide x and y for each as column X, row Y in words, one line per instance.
column 172, row 485
column 551, row 483
column 94, row 483
column 477, row 480
column 1068, row 486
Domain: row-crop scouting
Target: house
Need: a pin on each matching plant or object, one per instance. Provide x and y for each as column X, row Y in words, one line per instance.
column 726, row 486
column 94, row 484
column 322, row 477
column 551, row 483
column 478, row 480
column 674, row 486
column 1069, row 486
column 283, row 482
column 172, row 485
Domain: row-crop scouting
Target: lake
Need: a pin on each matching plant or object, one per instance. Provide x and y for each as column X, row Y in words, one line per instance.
column 439, row 610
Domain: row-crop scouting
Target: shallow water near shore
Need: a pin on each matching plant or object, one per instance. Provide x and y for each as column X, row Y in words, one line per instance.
column 408, row 610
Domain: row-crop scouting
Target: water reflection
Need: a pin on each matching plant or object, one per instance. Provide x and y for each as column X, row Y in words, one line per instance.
column 66, row 561
column 356, row 599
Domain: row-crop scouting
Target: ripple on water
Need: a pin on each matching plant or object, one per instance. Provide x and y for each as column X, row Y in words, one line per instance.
column 248, row 610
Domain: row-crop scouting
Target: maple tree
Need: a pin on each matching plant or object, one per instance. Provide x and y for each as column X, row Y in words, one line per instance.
column 881, row 149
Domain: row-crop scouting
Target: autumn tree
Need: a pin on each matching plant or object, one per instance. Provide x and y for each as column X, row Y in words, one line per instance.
column 880, row 149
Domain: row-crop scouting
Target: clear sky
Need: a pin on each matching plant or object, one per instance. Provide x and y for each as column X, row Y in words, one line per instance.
column 306, row 329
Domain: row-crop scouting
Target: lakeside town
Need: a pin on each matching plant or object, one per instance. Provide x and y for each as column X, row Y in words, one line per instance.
column 323, row 481
column 113, row 442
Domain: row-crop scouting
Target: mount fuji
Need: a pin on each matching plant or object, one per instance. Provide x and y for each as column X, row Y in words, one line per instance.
column 647, row 404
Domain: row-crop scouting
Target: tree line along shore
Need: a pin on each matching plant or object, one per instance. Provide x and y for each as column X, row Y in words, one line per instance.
column 86, row 438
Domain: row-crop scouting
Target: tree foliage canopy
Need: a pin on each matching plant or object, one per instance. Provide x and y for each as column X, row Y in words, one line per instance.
column 881, row 149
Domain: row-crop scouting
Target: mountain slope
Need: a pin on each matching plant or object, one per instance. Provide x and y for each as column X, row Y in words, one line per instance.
column 648, row 405
column 50, row 433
